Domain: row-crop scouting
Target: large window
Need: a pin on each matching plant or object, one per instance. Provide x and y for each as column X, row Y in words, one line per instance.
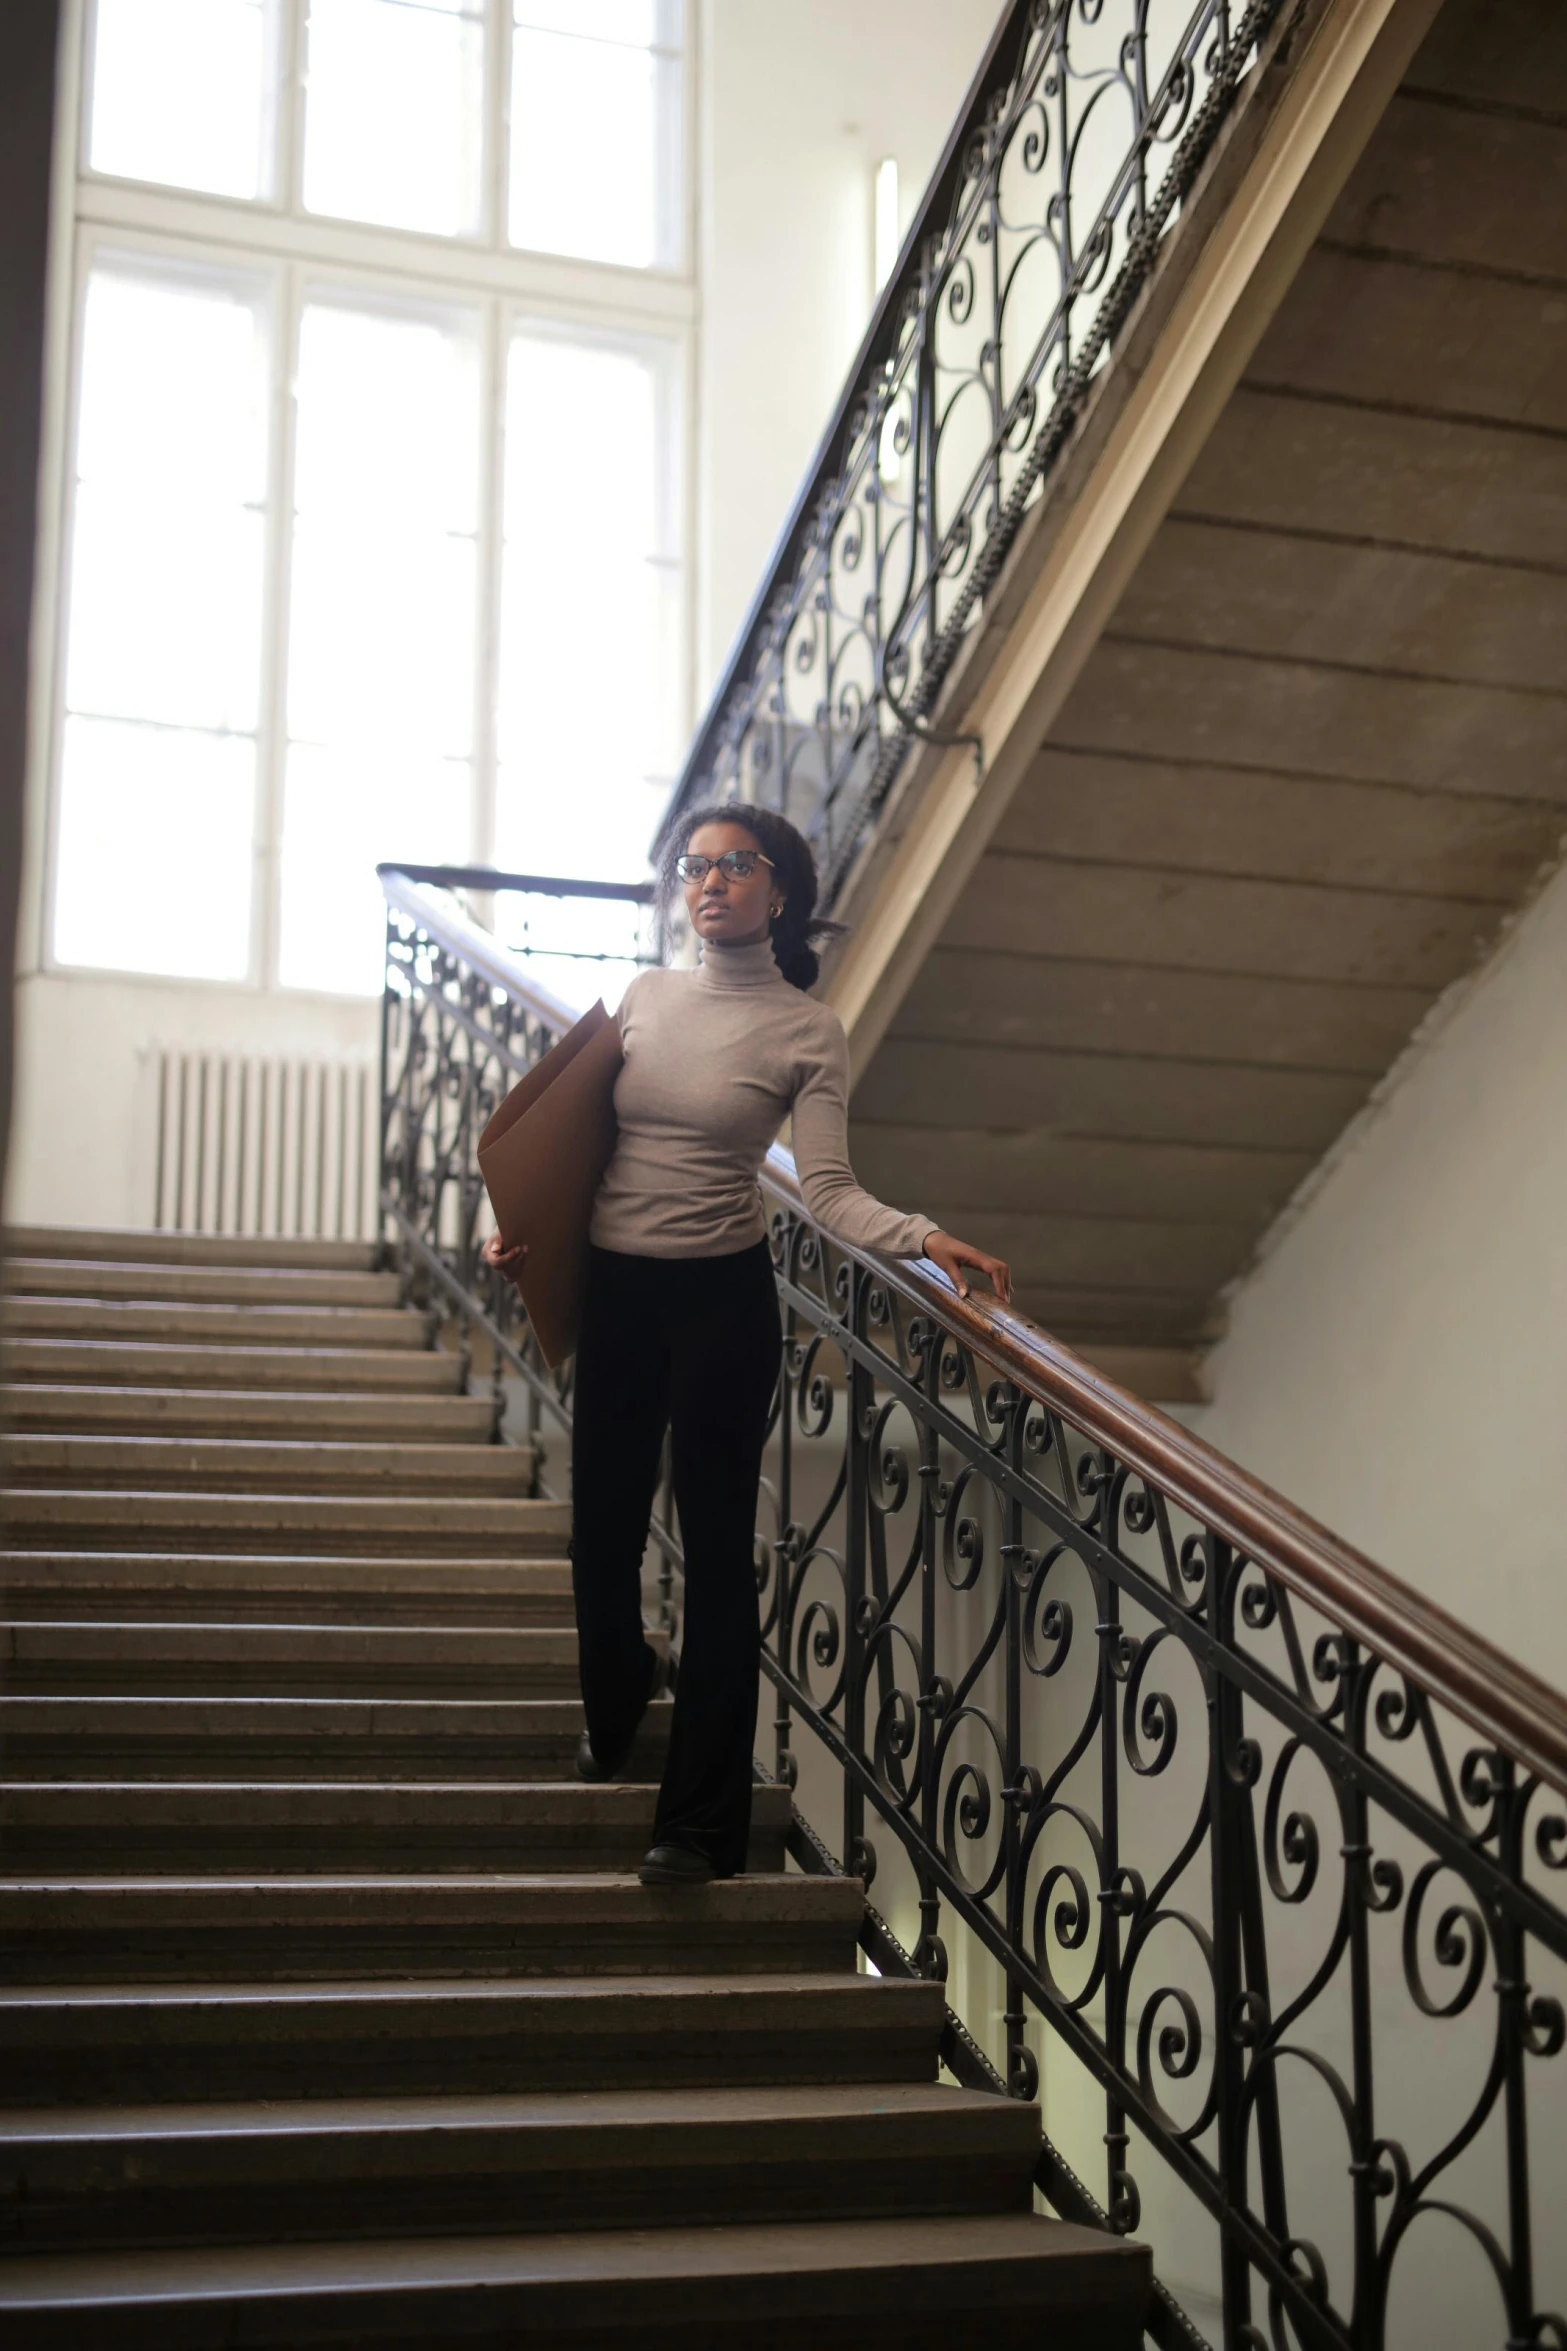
column 374, row 538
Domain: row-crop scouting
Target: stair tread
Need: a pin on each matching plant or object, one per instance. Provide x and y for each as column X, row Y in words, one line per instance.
column 112, row 1244
column 74, row 1409
column 71, row 1447
column 319, row 1716
column 417, row 1525
column 775, row 2252
column 717, row 1994
column 233, row 1326
column 249, row 1574
column 98, row 1506
column 16, row 1396
column 352, row 1369
column 22, row 1637
column 564, row 1893
column 247, row 1564
column 128, row 1277
column 237, row 1801
column 135, row 2042
column 347, row 1468
column 517, row 2112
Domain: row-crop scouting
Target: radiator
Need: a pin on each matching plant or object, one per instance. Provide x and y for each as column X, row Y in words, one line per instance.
column 252, row 1145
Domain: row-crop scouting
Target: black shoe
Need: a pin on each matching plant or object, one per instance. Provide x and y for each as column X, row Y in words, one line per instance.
column 676, row 1865
column 588, row 1765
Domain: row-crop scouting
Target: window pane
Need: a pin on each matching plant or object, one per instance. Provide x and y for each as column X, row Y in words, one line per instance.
column 154, row 855
column 163, row 644
column 614, row 64
column 182, row 93
column 578, row 947
column 394, row 119
column 640, row 23
column 347, row 806
column 382, row 625
column 590, row 590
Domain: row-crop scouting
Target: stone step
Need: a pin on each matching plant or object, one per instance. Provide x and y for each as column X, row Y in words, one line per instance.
column 163, row 1929
column 100, row 2043
column 35, row 1408
column 217, row 1326
column 340, row 1370
column 286, row 1661
column 447, row 1526
column 64, row 1828
column 530, row 2161
column 308, row 1738
column 189, row 1587
column 136, row 1247
column 224, row 1285
column 260, row 1465
column 1008, row 2280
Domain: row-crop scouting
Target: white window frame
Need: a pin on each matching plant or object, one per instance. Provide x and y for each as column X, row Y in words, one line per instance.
column 654, row 312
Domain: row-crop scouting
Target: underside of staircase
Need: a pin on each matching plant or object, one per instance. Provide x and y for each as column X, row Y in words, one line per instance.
column 1312, row 766
column 332, row 2010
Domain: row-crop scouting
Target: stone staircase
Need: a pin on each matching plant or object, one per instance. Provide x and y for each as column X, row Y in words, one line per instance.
column 330, row 2008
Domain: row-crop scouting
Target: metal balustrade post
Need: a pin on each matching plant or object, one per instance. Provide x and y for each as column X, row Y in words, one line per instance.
column 788, row 1370
column 1226, row 1794
column 1515, row 2033
column 1022, row 2070
column 934, row 1497
column 861, row 1409
column 1121, row 2200
column 1366, row 2173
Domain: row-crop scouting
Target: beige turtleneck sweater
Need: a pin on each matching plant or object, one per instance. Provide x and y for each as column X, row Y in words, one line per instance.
column 715, row 1060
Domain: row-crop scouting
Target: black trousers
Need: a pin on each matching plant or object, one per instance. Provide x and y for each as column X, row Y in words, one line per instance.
column 691, row 1345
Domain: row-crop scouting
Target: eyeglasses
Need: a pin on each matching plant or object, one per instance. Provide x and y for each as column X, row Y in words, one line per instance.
column 738, row 864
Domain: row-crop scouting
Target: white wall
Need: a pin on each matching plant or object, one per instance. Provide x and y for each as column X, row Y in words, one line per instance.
column 1397, row 1363
column 800, row 103
column 83, row 1141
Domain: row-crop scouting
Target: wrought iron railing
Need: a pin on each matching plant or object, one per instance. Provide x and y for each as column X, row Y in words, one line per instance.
column 1082, row 134
column 1262, row 1844
column 462, row 1018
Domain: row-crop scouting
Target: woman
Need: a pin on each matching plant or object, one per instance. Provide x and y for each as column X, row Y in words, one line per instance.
column 680, row 1326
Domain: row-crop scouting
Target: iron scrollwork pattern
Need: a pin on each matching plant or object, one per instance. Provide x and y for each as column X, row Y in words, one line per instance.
column 458, row 1029
column 1086, row 130
column 1223, row 1852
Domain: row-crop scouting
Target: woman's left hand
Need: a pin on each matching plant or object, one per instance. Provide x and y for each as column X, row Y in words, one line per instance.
column 952, row 1255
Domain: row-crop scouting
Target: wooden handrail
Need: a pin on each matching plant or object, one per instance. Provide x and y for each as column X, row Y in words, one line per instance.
column 1509, row 1707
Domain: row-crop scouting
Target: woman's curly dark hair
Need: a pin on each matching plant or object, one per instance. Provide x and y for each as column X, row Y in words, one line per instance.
column 794, row 870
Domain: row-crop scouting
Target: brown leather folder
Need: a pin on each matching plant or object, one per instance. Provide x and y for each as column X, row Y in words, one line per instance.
column 542, row 1157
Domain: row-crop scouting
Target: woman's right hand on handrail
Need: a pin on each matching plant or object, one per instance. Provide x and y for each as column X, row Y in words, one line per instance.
column 504, row 1260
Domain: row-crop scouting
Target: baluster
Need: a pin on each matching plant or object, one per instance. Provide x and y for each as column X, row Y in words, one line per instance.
column 1022, row 2070
column 1365, row 2174
column 784, row 1767
column 929, row 1954
column 1512, row 1991
column 1121, row 2198
column 1227, row 1795
column 860, row 1399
